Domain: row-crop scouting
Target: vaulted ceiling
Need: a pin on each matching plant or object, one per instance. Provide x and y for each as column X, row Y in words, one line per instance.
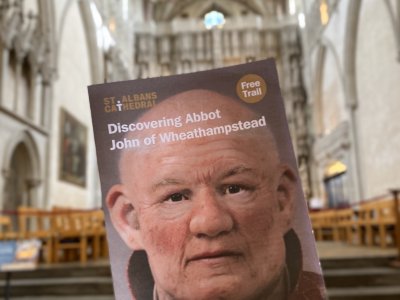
column 167, row 10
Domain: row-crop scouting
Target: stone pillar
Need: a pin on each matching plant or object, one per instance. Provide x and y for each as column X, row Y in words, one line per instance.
column 47, row 72
column 235, row 43
column 395, row 18
column 32, row 106
column 200, row 49
column 152, row 59
column 186, row 46
column 295, row 100
column 45, row 96
column 208, row 45
column 4, row 57
column 227, row 43
column 165, row 50
column 142, row 56
column 272, row 43
column 249, row 44
column 17, row 82
column 165, row 55
column 217, row 48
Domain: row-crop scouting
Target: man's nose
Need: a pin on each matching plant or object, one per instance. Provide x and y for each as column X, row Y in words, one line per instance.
column 210, row 217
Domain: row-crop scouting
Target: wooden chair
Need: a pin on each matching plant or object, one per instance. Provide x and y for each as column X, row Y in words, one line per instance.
column 70, row 234
column 35, row 223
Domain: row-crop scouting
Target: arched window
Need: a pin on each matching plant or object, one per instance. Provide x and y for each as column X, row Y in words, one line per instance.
column 336, row 181
column 214, row 19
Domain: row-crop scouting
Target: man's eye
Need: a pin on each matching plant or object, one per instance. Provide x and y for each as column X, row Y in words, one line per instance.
column 233, row 189
column 177, row 197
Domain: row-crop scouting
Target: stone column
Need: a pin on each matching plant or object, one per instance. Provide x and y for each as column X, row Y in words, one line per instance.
column 47, row 72
column 273, row 46
column 200, row 46
column 216, row 47
column 227, row 43
column 5, row 54
column 17, row 82
column 235, row 43
column 32, row 104
column 45, row 96
column 208, row 45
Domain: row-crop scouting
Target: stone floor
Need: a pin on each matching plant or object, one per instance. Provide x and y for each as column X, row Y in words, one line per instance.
column 72, row 265
column 330, row 249
column 328, row 252
column 354, row 272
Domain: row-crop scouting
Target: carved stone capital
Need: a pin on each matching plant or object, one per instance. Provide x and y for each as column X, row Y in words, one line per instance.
column 11, row 23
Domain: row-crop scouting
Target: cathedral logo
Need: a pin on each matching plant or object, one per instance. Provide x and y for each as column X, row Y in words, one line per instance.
column 130, row 102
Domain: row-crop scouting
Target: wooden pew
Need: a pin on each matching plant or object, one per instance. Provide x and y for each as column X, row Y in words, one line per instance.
column 70, row 235
column 372, row 223
column 333, row 224
column 315, row 223
column 79, row 231
column 36, row 223
column 346, row 224
column 97, row 232
column 386, row 222
column 7, row 232
column 363, row 224
column 377, row 222
column 65, row 233
column 324, row 224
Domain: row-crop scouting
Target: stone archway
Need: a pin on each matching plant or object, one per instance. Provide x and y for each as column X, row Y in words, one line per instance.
column 21, row 173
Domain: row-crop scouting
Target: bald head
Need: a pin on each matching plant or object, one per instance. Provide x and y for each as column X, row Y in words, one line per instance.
column 193, row 101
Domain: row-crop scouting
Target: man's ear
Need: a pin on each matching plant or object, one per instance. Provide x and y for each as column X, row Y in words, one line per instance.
column 286, row 195
column 124, row 217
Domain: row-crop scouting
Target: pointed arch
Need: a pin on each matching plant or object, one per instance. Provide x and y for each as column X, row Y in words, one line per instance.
column 21, row 170
column 327, row 56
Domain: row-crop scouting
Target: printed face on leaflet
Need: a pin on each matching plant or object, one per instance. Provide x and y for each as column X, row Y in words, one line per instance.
column 210, row 212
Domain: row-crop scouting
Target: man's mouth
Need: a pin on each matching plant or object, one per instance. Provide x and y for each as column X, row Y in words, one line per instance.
column 214, row 256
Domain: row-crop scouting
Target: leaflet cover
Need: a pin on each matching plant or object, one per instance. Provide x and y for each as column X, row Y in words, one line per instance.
column 200, row 187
